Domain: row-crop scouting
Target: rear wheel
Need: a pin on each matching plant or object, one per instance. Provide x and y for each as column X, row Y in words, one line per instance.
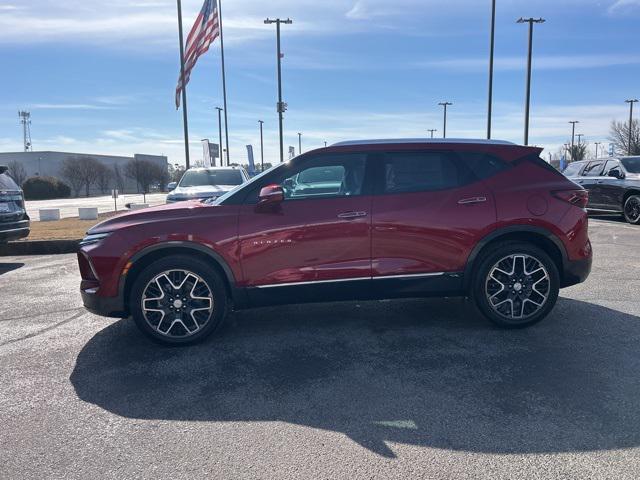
column 631, row 209
column 178, row 300
column 515, row 285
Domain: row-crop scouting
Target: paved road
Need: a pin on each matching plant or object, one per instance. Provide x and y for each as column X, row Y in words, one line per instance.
column 403, row 389
column 69, row 206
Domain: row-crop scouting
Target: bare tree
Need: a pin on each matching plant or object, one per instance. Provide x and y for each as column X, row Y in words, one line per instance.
column 619, row 136
column 144, row 173
column 17, row 172
column 118, row 177
column 105, row 176
column 72, row 172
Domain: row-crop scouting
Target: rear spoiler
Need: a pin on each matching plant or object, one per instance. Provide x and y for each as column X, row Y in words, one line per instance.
column 3, row 168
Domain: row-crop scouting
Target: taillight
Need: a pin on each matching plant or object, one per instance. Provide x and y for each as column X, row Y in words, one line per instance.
column 579, row 198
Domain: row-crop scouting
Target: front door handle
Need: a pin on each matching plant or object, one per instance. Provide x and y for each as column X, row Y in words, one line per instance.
column 471, row 200
column 352, row 214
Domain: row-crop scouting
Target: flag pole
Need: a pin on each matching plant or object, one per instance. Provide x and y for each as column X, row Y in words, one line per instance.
column 224, row 81
column 184, row 88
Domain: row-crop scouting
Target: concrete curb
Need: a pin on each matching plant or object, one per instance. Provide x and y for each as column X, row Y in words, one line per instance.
column 39, row 247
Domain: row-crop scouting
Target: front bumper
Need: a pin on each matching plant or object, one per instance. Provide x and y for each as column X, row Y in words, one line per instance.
column 103, row 306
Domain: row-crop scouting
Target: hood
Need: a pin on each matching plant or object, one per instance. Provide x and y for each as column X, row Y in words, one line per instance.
column 168, row 212
column 201, row 190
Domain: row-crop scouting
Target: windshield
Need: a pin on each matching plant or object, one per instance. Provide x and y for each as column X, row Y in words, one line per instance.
column 7, row 183
column 200, row 178
column 222, row 198
column 632, row 165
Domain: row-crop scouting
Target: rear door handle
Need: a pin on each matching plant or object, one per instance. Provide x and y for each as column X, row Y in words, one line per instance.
column 352, row 214
column 471, row 200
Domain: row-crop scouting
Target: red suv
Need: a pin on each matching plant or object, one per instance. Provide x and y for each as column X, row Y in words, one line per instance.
column 358, row 220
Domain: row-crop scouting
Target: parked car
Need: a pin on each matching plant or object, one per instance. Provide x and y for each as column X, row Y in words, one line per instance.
column 613, row 185
column 206, row 183
column 357, row 220
column 14, row 221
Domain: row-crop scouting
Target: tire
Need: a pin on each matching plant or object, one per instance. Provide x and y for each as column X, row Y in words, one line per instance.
column 178, row 300
column 631, row 210
column 515, row 285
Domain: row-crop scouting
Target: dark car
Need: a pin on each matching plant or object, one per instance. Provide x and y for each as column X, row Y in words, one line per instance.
column 358, row 220
column 14, row 221
column 613, row 185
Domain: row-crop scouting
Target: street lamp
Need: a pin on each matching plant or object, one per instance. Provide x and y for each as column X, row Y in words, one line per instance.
column 579, row 135
column 573, row 134
column 432, row 130
column 220, row 135
column 630, row 102
column 445, row 105
column 530, row 21
column 299, row 143
column 261, row 148
column 325, row 143
column 597, row 145
column 281, row 105
column 491, row 48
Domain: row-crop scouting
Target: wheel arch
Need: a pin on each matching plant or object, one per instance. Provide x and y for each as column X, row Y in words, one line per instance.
column 537, row 236
column 148, row 255
column 628, row 193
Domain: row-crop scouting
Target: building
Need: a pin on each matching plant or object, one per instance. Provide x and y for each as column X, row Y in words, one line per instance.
column 50, row 164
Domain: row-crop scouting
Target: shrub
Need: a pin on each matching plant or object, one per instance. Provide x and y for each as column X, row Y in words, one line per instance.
column 45, row 188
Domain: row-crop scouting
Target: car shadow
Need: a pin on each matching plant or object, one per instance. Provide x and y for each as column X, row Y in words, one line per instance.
column 419, row 372
column 9, row 267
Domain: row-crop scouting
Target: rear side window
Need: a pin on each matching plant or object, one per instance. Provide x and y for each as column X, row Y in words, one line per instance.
column 7, row 183
column 573, row 169
column 483, row 165
column 405, row 172
column 536, row 160
column 593, row 170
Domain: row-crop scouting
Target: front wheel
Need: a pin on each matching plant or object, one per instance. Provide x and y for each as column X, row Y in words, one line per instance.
column 515, row 285
column 631, row 209
column 178, row 300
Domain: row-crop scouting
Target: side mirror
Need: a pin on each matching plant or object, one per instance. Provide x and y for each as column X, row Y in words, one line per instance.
column 172, row 185
column 615, row 173
column 271, row 195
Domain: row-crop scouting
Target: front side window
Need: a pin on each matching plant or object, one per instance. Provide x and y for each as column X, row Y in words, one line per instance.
column 201, row 178
column 327, row 176
column 610, row 165
column 593, row 170
column 406, row 172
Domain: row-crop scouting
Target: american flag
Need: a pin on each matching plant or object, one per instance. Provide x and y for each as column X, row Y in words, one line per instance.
column 204, row 31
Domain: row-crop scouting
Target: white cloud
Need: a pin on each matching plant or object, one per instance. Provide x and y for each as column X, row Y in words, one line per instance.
column 67, row 106
column 624, row 6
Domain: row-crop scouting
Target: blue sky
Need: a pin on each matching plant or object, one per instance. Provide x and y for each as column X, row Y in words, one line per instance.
column 99, row 76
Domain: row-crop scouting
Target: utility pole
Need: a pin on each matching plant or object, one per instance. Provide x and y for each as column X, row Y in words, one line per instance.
column 630, row 102
column 445, row 105
column 597, row 145
column 25, row 120
column 299, row 143
column 573, row 135
column 527, row 105
column 281, row 105
column 491, row 49
column 261, row 148
column 432, row 130
column 220, row 134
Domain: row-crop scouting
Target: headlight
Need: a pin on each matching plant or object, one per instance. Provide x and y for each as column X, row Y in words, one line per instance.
column 93, row 239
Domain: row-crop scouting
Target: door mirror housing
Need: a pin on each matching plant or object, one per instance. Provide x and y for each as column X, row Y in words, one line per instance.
column 271, row 195
column 172, row 185
column 616, row 173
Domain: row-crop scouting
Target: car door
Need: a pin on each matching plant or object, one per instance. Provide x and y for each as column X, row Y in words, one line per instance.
column 611, row 187
column 320, row 233
column 427, row 215
column 589, row 180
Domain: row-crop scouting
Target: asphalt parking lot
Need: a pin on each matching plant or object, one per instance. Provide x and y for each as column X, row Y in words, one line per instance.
column 401, row 389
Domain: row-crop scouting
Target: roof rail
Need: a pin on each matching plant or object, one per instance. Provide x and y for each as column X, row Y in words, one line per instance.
column 383, row 141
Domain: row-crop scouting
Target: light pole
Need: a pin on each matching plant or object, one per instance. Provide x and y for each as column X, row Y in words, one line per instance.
column 220, row 135
column 630, row 102
column 597, row 145
column 325, row 143
column 299, row 143
column 579, row 135
column 261, row 148
column 281, row 105
column 527, row 105
column 491, row 48
column 432, row 130
column 573, row 135
column 445, row 105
